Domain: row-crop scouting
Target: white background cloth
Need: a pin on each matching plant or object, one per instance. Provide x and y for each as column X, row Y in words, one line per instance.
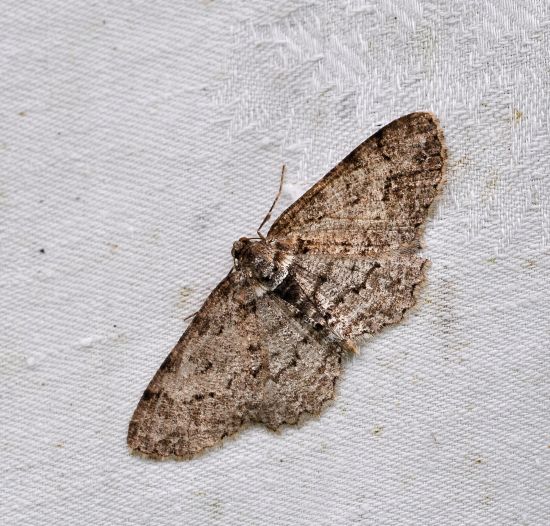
column 140, row 139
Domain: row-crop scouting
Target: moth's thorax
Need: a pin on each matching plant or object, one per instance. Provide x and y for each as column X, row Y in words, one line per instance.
column 265, row 261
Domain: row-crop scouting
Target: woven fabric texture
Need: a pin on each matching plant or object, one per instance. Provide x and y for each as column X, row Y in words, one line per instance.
column 140, row 139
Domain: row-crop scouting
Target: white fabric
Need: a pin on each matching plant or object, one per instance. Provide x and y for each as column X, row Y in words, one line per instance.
column 139, row 139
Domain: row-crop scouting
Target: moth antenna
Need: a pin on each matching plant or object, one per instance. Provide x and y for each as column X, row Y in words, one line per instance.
column 268, row 215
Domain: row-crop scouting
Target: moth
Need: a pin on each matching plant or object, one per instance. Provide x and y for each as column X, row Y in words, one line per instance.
column 341, row 262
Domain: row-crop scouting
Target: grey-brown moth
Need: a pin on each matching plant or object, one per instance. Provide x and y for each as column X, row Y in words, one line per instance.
column 341, row 262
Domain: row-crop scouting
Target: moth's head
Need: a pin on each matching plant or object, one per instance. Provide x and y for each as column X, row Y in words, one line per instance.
column 240, row 247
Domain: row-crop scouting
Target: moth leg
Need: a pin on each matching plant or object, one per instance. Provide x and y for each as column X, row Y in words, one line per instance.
column 192, row 315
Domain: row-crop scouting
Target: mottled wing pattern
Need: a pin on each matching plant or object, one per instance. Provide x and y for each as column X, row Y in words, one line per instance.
column 258, row 355
column 357, row 295
column 355, row 233
column 243, row 359
column 190, row 403
column 377, row 197
column 302, row 364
